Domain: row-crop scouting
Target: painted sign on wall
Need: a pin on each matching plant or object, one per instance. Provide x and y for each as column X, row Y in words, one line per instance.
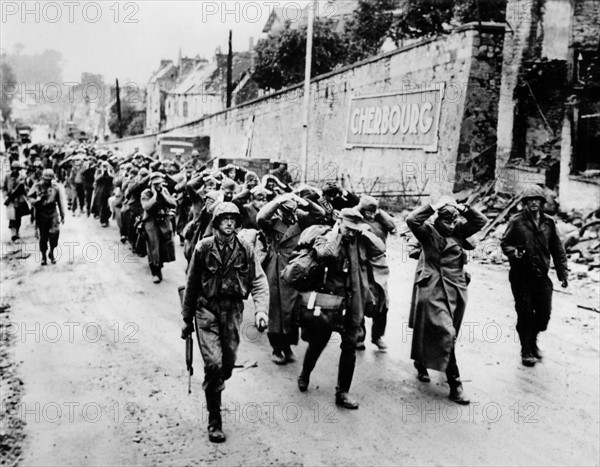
column 396, row 120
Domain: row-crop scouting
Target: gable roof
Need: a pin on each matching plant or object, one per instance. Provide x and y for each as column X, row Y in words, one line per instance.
column 211, row 78
column 162, row 71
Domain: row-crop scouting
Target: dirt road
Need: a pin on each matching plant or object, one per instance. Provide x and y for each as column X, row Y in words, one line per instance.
column 97, row 347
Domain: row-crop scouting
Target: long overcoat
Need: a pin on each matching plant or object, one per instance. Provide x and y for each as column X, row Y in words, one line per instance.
column 281, row 240
column 440, row 292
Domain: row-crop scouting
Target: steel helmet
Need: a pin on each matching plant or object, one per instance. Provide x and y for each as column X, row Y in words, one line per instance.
column 48, row 174
column 224, row 208
column 533, row 192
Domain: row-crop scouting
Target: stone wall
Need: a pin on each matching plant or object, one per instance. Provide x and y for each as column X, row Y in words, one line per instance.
column 468, row 61
column 586, row 24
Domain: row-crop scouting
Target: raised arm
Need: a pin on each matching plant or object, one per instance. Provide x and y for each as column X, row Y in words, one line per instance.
column 416, row 222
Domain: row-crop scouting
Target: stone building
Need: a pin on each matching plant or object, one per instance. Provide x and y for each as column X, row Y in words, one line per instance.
column 161, row 81
column 203, row 89
column 549, row 110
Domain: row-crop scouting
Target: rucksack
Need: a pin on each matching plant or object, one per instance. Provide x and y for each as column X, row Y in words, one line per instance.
column 304, row 271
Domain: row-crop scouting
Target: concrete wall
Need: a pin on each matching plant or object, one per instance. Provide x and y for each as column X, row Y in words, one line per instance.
column 467, row 61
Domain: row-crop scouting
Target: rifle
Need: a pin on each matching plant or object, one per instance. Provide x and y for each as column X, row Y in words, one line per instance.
column 189, row 346
column 189, row 358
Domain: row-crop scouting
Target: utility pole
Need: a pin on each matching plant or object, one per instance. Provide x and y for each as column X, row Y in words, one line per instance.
column 120, row 128
column 307, row 71
column 229, row 72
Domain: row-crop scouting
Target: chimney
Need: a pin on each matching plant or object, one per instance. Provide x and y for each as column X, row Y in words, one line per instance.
column 251, row 44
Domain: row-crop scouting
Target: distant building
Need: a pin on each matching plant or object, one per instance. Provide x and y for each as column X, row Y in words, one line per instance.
column 339, row 11
column 161, row 81
column 203, row 89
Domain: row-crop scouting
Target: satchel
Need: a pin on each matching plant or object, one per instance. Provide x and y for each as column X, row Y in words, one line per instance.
column 318, row 309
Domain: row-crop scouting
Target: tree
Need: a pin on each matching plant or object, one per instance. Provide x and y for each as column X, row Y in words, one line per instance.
column 280, row 59
column 422, row 18
column 132, row 120
column 365, row 33
column 466, row 11
column 7, row 78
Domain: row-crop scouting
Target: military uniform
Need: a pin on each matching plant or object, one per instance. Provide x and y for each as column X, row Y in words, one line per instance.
column 50, row 202
column 222, row 273
column 529, row 246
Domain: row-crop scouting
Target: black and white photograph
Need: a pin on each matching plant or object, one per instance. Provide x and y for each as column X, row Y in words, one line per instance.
column 300, row 233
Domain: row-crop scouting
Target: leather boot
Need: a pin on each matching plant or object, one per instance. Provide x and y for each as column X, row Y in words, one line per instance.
column 457, row 394
column 308, row 365
column 215, row 424
column 527, row 357
column 535, row 350
column 422, row 373
column 343, row 399
column 345, row 374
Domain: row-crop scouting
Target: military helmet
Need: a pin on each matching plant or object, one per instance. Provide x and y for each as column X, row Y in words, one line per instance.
column 533, row 192
column 226, row 208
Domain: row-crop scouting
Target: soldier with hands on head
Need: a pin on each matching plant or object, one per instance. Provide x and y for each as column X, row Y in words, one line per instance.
column 440, row 290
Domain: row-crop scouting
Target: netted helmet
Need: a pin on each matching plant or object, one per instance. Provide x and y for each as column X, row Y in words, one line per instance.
column 223, row 209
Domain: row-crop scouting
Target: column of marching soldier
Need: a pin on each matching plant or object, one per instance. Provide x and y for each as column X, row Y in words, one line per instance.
column 312, row 258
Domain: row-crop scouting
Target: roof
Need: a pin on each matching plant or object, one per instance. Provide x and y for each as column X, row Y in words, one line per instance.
column 336, row 10
column 192, row 81
column 162, row 71
column 212, row 78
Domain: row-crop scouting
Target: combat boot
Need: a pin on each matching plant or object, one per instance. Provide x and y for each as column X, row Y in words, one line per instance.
column 343, row 399
column 345, row 374
column 422, row 373
column 527, row 357
column 535, row 350
column 215, row 423
column 457, row 393
column 303, row 381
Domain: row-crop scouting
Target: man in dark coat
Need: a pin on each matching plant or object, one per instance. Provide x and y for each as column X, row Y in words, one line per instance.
column 50, row 209
column 282, row 224
column 441, row 287
column 382, row 224
column 104, row 185
column 347, row 251
column 157, row 204
column 531, row 238
column 223, row 271
column 14, row 187
column 88, row 174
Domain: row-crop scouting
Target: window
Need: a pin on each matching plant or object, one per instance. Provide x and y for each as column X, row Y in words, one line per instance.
column 185, row 108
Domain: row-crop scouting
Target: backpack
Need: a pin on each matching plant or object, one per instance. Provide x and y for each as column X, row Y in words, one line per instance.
column 304, row 272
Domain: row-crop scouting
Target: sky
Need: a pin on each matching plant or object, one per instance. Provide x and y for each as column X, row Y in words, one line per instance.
column 127, row 39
